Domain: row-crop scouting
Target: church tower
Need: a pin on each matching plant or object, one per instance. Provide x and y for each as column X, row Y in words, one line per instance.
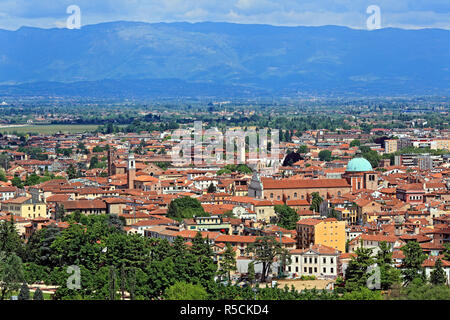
column 110, row 160
column 131, row 172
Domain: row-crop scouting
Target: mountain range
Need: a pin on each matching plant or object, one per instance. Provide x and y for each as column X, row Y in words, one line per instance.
column 134, row 59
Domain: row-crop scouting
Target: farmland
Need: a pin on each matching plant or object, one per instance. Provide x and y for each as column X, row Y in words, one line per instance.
column 48, row 129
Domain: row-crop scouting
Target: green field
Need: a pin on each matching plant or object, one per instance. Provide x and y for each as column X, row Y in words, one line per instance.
column 50, row 129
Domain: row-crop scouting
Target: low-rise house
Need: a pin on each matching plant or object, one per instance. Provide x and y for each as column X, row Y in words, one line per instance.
column 318, row 260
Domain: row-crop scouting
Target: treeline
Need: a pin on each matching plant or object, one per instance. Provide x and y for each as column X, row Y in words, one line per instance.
column 95, row 259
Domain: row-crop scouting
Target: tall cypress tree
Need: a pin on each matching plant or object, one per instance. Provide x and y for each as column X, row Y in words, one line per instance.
column 228, row 263
column 412, row 264
column 38, row 295
column 112, row 283
column 24, row 293
column 356, row 274
column 204, row 268
column 438, row 276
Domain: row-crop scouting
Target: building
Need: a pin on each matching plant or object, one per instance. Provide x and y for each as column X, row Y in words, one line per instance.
column 360, row 175
column 213, row 223
column 328, row 232
column 131, row 171
column 317, row 260
column 7, row 193
column 411, row 193
column 372, row 241
column 25, row 207
column 390, row 146
column 286, row 189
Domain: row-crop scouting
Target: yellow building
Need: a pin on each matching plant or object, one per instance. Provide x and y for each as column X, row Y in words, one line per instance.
column 441, row 144
column 25, row 208
column 390, row 146
column 328, row 232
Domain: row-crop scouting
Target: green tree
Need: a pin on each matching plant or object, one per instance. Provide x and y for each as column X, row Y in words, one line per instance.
column 362, row 294
column 355, row 143
column 412, row 264
column 10, row 241
column 186, row 207
column 303, row 149
column 38, row 295
column 185, row 291
column 287, row 217
column 447, row 251
column 251, row 275
column 228, row 263
column 389, row 274
column 60, row 212
column 3, row 176
column 11, row 274
column 315, row 202
column 325, row 155
column 438, row 276
column 72, row 172
column 32, row 179
column 204, row 268
column 94, row 163
column 211, row 188
column 418, row 290
column 16, row 182
column 264, row 250
column 24, row 293
column 356, row 274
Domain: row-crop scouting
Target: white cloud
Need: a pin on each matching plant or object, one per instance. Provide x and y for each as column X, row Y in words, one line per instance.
column 398, row 13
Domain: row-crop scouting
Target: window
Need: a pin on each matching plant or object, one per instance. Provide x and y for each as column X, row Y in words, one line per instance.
column 331, row 260
column 315, row 269
column 324, row 270
column 324, row 260
column 332, row 270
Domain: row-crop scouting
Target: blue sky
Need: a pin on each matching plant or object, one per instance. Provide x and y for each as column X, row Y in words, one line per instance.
column 352, row 13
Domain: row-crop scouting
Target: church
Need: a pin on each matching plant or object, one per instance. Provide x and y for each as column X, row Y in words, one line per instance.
column 358, row 175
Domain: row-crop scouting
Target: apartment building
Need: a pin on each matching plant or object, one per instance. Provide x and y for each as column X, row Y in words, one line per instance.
column 328, row 232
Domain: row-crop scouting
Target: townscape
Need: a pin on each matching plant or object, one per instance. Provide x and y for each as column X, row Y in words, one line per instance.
column 211, row 159
column 119, row 208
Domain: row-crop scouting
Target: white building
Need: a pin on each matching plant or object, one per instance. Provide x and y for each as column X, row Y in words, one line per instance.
column 318, row 260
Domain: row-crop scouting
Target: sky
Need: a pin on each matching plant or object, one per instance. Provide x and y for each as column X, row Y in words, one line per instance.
column 407, row 14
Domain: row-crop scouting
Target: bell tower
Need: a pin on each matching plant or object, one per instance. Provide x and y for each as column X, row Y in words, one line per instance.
column 131, row 172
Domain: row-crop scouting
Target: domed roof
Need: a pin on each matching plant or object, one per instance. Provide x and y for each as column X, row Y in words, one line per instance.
column 359, row 165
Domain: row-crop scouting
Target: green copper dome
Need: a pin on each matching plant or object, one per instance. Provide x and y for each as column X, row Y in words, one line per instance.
column 359, row 165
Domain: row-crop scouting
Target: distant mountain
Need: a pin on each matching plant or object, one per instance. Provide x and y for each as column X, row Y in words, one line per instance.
column 223, row 59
